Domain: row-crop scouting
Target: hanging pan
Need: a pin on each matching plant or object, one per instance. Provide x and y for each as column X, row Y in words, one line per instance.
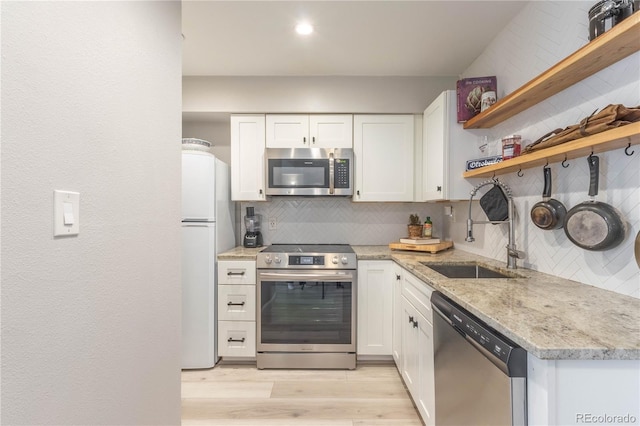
column 548, row 213
column 593, row 225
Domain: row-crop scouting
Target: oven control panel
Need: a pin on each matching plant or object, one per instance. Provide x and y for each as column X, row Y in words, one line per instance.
column 306, row 260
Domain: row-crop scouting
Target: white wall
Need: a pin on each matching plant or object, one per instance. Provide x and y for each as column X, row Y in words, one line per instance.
column 540, row 36
column 312, row 94
column 91, row 95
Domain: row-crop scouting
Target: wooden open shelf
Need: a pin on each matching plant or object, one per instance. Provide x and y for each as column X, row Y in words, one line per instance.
column 617, row 138
column 612, row 46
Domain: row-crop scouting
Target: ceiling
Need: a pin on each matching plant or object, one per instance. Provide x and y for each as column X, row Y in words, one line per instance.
column 351, row 38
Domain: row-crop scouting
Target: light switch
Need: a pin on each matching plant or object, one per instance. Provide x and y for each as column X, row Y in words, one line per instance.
column 66, row 213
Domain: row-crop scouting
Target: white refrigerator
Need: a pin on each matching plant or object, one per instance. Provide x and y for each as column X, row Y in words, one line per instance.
column 207, row 229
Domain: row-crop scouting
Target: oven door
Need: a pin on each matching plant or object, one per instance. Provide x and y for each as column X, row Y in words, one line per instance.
column 306, row 311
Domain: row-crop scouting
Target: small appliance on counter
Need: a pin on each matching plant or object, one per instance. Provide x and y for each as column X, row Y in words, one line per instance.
column 252, row 223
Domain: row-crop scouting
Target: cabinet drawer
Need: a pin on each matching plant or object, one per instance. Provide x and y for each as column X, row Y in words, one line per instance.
column 237, row 338
column 237, row 272
column 418, row 293
column 237, row 302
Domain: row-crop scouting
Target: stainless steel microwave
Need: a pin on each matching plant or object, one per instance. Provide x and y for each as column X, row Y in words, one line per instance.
column 309, row 171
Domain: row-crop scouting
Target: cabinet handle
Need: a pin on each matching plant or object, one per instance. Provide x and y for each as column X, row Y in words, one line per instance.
column 235, row 304
column 358, row 193
column 438, row 188
column 397, row 277
column 235, row 273
column 415, row 324
column 304, row 140
column 231, row 339
column 411, row 319
column 313, row 139
column 260, row 192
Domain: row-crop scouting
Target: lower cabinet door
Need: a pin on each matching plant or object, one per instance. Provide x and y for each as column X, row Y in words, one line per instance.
column 236, row 302
column 409, row 347
column 237, row 338
column 374, row 308
column 417, row 360
column 425, row 398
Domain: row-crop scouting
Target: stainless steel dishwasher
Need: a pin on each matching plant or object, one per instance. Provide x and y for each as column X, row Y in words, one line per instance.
column 480, row 375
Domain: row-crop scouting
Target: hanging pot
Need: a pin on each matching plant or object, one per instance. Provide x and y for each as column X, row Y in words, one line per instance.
column 605, row 14
column 548, row 213
column 593, row 225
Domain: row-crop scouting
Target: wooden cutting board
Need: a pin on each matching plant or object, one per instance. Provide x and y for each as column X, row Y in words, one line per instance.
column 430, row 248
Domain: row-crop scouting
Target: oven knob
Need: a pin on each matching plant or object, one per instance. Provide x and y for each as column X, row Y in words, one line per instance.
column 267, row 259
column 334, row 260
column 344, row 260
column 277, row 259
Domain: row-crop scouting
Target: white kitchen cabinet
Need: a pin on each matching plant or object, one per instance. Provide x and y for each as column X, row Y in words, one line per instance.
column 396, row 314
column 447, row 147
column 577, row 392
column 247, row 157
column 374, row 307
column 309, row 131
column 237, row 272
column 417, row 345
column 384, row 157
column 237, row 308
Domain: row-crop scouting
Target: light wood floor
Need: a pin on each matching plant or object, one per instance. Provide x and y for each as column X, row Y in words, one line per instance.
column 243, row 395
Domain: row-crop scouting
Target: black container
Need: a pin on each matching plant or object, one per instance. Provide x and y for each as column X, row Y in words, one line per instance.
column 605, row 14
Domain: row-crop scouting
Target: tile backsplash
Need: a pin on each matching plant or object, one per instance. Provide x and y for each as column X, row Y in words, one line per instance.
column 327, row 220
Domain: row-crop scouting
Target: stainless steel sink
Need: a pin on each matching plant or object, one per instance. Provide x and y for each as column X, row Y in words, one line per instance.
column 467, row 270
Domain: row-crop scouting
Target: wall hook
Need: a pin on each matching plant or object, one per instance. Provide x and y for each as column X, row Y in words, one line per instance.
column 520, row 174
column 626, row 150
column 564, row 166
column 591, row 155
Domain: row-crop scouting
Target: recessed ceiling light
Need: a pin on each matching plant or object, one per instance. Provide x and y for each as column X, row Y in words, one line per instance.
column 304, row 28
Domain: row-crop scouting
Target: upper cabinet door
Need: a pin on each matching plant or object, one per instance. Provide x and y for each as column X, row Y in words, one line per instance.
column 447, row 147
column 247, row 157
column 287, row 131
column 383, row 149
column 331, row 131
column 434, row 154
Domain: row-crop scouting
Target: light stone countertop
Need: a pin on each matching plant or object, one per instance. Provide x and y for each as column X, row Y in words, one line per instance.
column 240, row 253
column 550, row 317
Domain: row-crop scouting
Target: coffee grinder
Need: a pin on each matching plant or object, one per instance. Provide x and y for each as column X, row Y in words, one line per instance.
column 252, row 236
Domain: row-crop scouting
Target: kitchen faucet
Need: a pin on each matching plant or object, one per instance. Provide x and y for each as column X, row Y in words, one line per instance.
column 512, row 252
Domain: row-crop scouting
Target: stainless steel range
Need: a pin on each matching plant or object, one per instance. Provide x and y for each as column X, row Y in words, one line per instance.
column 306, row 306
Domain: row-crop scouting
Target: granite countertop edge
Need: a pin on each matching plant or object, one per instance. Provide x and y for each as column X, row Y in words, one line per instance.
column 550, row 317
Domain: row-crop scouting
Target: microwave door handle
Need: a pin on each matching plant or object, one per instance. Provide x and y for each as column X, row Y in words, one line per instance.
column 331, row 173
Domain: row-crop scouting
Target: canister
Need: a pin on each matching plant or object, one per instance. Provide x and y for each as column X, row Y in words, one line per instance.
column 511, row 146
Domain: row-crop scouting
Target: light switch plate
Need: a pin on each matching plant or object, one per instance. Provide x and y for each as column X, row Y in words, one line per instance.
column 66, row 221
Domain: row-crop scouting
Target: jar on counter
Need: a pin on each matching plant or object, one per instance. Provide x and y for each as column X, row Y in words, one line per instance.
column 511, row 146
